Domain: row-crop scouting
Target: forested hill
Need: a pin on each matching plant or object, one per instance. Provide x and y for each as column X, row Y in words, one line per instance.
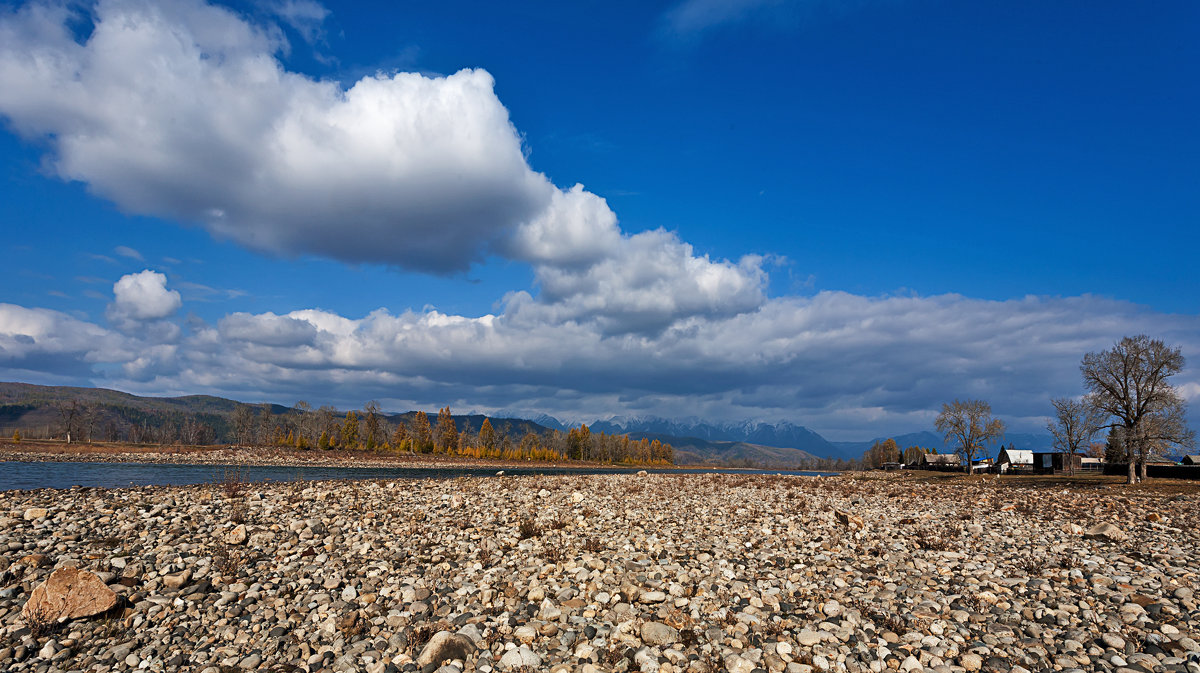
column 111, row 415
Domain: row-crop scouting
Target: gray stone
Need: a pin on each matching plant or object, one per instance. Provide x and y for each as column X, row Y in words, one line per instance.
column 520, row 656
column 444, row 646
column 657, row 633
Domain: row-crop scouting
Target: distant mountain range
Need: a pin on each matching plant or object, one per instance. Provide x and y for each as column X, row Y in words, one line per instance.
column 783, row 435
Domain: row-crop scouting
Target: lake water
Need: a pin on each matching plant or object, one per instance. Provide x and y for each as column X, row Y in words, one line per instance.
column 29, row 475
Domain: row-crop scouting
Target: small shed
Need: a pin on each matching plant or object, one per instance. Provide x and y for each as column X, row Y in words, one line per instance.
column 1091, row 464
column 1191, row 459
column 1015, row 460
column 1048, row 462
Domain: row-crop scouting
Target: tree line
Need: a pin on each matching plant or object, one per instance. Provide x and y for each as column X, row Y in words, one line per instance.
column 304, row 428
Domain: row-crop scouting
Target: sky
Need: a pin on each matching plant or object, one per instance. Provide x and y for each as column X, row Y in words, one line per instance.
column 837, row 214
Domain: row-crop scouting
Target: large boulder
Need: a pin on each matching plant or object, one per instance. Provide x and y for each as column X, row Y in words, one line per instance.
column 445, row 646
column 69, row 593
column 1105, row 531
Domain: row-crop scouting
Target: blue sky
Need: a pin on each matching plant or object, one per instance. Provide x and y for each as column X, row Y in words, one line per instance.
column 837, row 214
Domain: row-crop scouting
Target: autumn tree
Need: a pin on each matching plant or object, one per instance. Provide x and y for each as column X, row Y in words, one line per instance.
column 371, row 423
column 1129, row 386
column 1075, row 423
column 445, row 435
column 912, row 455
column 579, row 442
column 886, row 451
column 422, row 433
column 399, row 435
column 350, row 431
column 969, row 426
column 487, row 436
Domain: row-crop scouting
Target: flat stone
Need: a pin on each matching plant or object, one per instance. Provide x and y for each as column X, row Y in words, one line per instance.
column 177, row 580
column 1105, row 531
column 35, row 513
column 69, row 593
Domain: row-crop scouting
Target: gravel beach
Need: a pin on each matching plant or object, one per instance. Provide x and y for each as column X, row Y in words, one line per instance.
column 601, row 573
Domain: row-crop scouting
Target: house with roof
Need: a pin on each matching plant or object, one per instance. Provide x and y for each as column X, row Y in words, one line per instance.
column 1014, row 460
column 939, row 461
column 1191, row 459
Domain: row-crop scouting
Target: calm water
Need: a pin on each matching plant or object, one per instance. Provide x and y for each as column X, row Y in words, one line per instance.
column 27, row 475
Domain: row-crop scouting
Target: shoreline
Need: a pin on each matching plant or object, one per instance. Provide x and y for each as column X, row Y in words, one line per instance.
column 232, row 456
column 28, row 451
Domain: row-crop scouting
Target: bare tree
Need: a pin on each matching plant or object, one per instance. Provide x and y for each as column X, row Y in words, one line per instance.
column 1075, row 423
column 305, row 421
column 1129, row 385
column 69, row 414
column 325, row 421
column 265, row 425
column 243, row 424
column 970, row 426
column 87, row 420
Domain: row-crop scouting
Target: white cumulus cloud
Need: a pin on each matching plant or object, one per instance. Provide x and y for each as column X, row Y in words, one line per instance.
column 143, row 296
column 181, row 110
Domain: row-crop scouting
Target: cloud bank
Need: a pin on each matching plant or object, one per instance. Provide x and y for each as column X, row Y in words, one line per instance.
column 846, row 365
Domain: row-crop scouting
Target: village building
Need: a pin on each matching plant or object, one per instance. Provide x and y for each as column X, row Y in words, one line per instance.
column 936, row 461
column 1014, row 460
column 1047, row 462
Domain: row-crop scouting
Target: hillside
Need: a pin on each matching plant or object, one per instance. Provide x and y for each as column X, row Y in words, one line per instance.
column 695, row 451
column 111, row 415
column 781, row 434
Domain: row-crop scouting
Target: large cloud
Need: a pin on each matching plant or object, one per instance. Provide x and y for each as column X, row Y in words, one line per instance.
column 181, row 110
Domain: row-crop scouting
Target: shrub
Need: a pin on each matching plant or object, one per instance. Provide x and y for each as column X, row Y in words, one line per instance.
column 529, row 528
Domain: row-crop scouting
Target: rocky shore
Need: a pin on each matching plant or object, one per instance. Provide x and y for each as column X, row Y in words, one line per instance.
column 600, row 573
column 252, row 455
